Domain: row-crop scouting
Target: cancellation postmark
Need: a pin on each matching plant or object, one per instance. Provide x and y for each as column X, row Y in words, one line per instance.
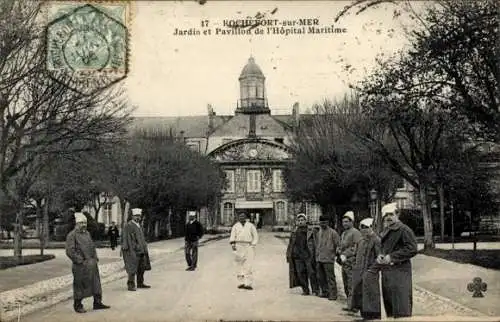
column 87, row 44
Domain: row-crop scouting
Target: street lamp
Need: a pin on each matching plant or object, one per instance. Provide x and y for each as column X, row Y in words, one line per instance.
column 375, row 208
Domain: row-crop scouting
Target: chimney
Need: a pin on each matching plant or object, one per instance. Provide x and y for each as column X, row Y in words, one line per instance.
column 211, row 115
column 295, row 115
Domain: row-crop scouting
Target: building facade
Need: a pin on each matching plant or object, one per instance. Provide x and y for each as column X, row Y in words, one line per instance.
column 252, row 148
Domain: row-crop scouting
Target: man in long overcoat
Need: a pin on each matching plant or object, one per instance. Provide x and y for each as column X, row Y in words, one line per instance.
column 399, row 245
column 300, row 258
column 86, row 280
column 365, row 274
column 135, row 251
column 347, row 252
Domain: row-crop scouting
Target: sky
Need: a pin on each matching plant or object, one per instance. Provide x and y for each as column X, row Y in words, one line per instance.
column 172, row 75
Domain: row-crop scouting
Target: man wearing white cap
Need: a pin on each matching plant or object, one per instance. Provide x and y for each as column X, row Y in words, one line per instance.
column 135, row 251
column 243, row 240
column 86, row 280
column 399, row 245
column 347, row 252
column 365, row 274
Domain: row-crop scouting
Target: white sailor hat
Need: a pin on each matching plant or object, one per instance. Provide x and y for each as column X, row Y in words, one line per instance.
column 368, row 222
column 349, row 215
column 390, row 208
column 80, row 217
column 136, row 211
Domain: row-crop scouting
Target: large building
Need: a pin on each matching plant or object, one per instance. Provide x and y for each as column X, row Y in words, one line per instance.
column 252, row 147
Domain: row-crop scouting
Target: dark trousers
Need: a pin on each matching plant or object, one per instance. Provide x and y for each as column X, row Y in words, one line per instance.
column 347, row 280
column 191, row 252
column 114, row 243
column 306, row 273
column 327, row 282
column 140, row 274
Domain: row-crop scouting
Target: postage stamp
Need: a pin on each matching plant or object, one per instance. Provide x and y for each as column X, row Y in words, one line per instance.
column 87, row 44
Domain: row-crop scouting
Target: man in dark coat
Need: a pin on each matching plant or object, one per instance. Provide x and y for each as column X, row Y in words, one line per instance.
column 347, row 252
column 399, row 245
column 135, row 251
column 194, row 231
column 86, row 280
column 299, row 257
column 326, row 248
column 113, row 235
column 365, row 274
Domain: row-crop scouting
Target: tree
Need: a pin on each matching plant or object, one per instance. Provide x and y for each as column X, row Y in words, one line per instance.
column 331, row 167
column 39, row 117
column 156, row 171
column 458, row 42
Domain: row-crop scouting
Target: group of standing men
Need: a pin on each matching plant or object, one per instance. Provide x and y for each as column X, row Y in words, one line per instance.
column 82, row 251
column 362, row 254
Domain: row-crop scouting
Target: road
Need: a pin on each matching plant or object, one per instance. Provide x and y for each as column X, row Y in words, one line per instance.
column 209, row 293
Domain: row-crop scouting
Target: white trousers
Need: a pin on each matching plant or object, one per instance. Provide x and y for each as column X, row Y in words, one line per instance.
column 244, row 256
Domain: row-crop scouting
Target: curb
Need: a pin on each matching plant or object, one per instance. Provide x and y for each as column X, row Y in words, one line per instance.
column 11, row 301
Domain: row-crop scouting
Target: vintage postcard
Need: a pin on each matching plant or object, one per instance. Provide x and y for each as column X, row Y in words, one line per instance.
column 249, row 160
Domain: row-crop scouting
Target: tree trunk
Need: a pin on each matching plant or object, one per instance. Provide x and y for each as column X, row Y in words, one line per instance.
column 440, row 189
column 169, row 222
column 426, row 214
column 18, row 236
column 379, row 225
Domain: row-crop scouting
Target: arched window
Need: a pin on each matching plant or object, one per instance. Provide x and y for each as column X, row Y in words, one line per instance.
column 280, row 213
column 227, row 216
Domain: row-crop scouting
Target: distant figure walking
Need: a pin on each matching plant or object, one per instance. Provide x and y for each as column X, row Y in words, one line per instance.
column 243, row 240
column 194, row 231
column 113, row 235
column 135, row 251
column 86, row 280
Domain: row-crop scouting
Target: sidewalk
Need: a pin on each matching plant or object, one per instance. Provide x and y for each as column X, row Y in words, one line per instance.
column 449, row 279
column 46, row 292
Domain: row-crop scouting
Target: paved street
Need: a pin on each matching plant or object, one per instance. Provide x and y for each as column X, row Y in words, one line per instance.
column 210, row 293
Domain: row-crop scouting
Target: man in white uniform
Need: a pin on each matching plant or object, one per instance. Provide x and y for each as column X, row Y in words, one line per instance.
column 243, row 240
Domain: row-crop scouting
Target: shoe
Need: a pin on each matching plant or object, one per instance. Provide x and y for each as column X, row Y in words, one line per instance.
column 248, row 287
column 100, row 306
column 189, row 269
column 332, row 298
column 80, row 309
column 346, row 309
column 132, row 288
column 241, row 286
column 315, row 293
column 306, row 293
column 143, row 286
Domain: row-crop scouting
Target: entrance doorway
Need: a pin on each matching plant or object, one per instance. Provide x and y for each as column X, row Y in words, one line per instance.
column 261, row 217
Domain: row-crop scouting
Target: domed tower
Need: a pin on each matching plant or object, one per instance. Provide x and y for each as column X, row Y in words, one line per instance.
column 252, row 90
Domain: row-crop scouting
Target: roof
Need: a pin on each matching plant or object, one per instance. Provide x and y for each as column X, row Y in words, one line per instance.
column 191, row 126
column 251, row 69
column 238, row 125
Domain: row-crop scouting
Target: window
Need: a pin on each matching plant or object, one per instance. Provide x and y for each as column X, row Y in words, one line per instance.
column 277, row 180
column 401, row 202
column 280, row 212
column 229, row 180
column 227, row 215
column 107, row 213
column 253, row 181
column 313, row 212
column 195, row 146
column 400, row 183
